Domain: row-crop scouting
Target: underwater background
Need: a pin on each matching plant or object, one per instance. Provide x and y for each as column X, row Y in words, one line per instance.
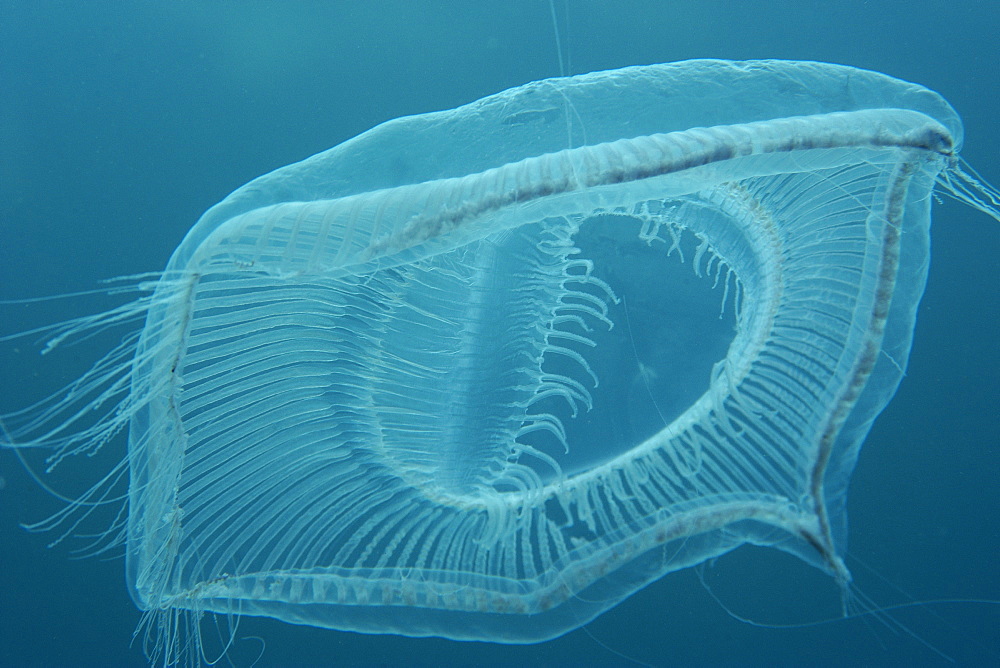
column 121, row 122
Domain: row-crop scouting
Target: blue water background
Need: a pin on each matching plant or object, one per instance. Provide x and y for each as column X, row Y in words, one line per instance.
column 121, row 122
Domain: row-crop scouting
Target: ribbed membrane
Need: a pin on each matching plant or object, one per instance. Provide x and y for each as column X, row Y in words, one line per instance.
column 383, row 438
column 454, row 378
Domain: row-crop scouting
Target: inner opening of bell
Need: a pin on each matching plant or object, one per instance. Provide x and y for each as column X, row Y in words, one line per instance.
column 673, row 320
